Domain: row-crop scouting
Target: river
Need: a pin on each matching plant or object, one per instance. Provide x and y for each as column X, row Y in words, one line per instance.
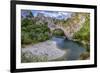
column 73, row 49
column 56, row 49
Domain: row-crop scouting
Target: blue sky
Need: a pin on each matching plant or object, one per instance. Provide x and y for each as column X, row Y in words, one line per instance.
column 53, row 14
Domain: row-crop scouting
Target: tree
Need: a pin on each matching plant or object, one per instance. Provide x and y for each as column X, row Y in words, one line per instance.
column 30, row 15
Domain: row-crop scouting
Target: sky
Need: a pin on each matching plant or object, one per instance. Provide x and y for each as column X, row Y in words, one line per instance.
column 53, row 14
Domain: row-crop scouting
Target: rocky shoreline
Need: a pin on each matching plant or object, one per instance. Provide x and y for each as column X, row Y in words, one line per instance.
column 47, row 48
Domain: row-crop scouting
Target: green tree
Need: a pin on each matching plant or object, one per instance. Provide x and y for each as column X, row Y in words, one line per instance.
column 33, row 32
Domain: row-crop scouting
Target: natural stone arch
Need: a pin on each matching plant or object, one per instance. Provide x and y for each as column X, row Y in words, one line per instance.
column 70, row 30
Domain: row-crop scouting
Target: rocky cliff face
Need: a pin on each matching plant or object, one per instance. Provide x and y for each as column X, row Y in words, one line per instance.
column 69, row 26
column 74, row 27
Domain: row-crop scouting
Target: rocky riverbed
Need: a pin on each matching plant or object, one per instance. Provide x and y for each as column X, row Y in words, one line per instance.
column 47, row 48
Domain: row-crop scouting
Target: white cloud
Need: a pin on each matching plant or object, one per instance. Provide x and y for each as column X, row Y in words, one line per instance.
column 56, row 14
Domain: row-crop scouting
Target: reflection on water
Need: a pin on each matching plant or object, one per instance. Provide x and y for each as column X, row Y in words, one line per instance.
column 73, row 49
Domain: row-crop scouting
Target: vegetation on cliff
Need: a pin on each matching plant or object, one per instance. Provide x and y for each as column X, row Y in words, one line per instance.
column 83, row 35
column 32, row 32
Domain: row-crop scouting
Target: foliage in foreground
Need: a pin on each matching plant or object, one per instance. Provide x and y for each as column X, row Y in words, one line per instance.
column 84, row 56
column 29, row 57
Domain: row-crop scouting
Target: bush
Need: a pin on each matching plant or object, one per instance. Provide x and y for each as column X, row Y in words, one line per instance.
column 85, row 56
column 25, row 38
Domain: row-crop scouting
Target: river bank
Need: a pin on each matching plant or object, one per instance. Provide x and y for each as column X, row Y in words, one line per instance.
column 55, row 49
column 47, row 48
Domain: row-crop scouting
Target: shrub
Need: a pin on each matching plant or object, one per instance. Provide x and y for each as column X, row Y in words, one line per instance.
column 84, row 55
column 25, row 38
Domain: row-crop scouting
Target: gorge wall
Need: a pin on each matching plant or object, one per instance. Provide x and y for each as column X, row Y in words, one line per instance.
column 69, row 26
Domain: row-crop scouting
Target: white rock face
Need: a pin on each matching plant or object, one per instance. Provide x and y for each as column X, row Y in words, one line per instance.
column 47, row 48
